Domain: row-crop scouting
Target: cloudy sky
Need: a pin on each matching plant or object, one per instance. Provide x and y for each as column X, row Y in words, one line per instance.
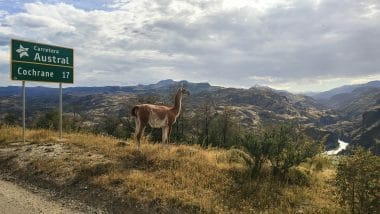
column 296, row 45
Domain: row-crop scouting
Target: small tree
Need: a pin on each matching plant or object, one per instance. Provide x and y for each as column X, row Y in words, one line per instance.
column 224, row 129
column 288, row 147
column 10, row 119
column 48, row 120
column 358, row 181
column 116, row 126
column 257, row 148
column 284, row 146
column 200, row 128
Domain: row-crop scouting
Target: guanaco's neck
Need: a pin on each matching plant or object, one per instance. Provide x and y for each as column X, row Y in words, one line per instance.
column 178, row 102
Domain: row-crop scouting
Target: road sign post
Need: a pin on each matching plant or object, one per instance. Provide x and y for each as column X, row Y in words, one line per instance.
column 60, row 110
column 23, row 111
column 31, row 61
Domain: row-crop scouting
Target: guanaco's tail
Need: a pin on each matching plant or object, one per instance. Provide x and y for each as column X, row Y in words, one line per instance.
column 134, row 111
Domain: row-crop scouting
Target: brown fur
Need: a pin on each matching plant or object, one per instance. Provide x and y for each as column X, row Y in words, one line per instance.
column 157, row 116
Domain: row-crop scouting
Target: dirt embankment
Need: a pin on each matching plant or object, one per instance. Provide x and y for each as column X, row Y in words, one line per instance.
column 61, row 173
column 83, row 168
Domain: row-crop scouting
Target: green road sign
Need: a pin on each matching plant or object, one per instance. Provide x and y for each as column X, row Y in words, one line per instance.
column 40, row 62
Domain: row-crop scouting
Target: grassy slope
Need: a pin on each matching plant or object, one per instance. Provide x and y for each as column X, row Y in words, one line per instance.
column 175, row 178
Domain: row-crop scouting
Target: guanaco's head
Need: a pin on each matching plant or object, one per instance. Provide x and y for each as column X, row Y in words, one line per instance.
column 184, row 91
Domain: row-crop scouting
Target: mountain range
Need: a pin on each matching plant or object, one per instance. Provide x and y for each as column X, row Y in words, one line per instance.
column 346, row 89
column 347, row 112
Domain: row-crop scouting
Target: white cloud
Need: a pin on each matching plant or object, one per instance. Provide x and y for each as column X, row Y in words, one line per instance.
column 287, row 44
column 3, row 13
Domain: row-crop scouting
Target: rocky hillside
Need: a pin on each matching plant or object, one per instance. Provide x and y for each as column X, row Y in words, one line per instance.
column 368, row 133
column 340, row 116
column 353, row 105
column 326, row 95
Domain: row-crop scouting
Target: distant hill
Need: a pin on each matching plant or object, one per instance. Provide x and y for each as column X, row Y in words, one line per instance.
column 163, row 86
column 343, row 89
column 254, row 104
column 251, row 103
column 353, row 104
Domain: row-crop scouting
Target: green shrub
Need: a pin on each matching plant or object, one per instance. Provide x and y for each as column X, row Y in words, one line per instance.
column 239, row 156
column 48, row 120
column 358, row 181
column 10, row 119
column 319, row 163
column 284, row 146
column 297, row 177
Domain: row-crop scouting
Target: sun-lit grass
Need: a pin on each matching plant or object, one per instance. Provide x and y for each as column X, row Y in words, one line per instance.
column 184, row 177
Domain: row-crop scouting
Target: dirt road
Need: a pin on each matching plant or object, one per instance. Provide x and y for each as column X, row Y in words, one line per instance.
column 17, row 200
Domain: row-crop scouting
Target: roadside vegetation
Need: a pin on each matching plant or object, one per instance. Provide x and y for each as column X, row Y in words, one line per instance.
column 183, row 178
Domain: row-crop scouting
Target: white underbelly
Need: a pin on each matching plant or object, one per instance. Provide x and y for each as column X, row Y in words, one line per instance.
column 156, row 122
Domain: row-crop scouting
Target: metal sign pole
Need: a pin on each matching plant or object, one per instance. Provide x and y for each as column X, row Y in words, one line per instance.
column 60, row 110
column 23, row 111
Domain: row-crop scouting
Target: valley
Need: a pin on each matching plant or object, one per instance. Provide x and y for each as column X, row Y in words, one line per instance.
column 351, row 116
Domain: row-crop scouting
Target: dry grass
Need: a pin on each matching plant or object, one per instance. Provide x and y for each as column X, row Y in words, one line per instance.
column 187, row 178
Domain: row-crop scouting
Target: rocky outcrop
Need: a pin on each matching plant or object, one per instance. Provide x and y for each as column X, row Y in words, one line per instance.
column 368, row 135
column 371, row 116
column 327, row 138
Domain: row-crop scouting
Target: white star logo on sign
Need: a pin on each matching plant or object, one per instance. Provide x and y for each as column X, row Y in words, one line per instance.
column 22, row 51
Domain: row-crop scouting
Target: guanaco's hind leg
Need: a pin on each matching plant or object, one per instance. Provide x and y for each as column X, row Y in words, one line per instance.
column 165, row 135
column 168, row 136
